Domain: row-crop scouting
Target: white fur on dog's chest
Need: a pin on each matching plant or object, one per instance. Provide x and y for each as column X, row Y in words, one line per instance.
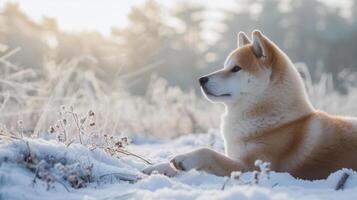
column 235, row 148
column 235, row 128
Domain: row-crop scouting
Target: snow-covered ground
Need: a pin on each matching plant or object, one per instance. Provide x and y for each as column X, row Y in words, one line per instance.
column 17, row 180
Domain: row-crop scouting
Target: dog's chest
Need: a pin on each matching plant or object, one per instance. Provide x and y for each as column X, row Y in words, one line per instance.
column 235, row 147
column 236, row 127
column 239, row 150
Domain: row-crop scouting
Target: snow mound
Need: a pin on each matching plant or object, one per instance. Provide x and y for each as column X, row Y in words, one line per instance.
column 47, row 169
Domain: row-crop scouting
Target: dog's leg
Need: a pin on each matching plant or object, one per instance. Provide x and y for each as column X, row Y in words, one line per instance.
column 162, row 168
column 207, row 160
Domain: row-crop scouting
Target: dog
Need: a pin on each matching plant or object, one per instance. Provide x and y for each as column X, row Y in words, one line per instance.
column 268, row 117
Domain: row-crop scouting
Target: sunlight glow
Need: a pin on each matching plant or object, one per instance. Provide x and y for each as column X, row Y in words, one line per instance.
column 84, row 15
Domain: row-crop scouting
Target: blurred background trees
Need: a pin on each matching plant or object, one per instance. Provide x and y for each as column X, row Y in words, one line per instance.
column 172, row 43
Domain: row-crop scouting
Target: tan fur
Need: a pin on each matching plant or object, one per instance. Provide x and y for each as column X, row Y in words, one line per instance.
column 335, row 149
column 278, row 125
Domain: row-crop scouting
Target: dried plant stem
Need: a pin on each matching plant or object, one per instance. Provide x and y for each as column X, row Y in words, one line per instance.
column 36, row 172
column 225, row 183
column 75, row 117
column 64, row 131
column 133, row 154
column 69, row 143
column 122, row 176
column 10, row 136
column 64, row 185
column 342, row 182
column 29, row 149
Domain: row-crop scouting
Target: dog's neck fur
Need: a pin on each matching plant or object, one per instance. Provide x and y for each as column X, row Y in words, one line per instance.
column 284, row 100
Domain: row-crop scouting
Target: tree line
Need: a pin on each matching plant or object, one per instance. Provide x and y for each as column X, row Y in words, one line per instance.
column 172, row 43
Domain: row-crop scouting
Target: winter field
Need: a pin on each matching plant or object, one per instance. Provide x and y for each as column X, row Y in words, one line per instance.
column 66, row 135
column 61, row 169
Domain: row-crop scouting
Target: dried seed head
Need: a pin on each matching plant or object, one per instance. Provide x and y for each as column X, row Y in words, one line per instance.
column 90, row 113
column 92, row 124
column 124, row 139
column 119, row 144
column 20, row 122
column 52, row 130
column 63, row 107
column 64, row 121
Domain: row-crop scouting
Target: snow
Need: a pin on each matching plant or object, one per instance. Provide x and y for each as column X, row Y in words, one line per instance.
column 16, row 181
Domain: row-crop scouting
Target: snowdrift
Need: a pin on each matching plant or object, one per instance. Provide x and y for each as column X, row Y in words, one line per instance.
column 48, row 169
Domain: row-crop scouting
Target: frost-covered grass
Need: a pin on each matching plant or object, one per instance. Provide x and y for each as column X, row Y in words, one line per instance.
column 35, row 97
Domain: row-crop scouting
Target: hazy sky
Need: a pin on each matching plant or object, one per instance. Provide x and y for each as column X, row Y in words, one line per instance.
column 100, row 15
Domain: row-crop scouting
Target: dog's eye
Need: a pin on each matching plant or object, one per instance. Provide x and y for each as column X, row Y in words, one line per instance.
column 236, row 69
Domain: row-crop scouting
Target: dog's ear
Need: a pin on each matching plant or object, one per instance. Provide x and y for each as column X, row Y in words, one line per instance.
column 242, row 39
column 260, row 44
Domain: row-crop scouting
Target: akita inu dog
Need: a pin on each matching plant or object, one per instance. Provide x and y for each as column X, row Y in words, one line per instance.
column 268, row 117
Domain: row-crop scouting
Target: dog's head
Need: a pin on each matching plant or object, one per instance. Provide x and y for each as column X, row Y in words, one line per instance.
column 247, row 71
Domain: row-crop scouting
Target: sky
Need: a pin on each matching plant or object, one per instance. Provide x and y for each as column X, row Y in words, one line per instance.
column 101, row 15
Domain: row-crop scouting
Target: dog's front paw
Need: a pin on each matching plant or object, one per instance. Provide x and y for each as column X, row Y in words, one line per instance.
column 162, row 168
column 188, row 161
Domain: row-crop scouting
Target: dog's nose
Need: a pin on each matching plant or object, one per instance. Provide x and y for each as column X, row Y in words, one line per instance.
column 203, row 80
